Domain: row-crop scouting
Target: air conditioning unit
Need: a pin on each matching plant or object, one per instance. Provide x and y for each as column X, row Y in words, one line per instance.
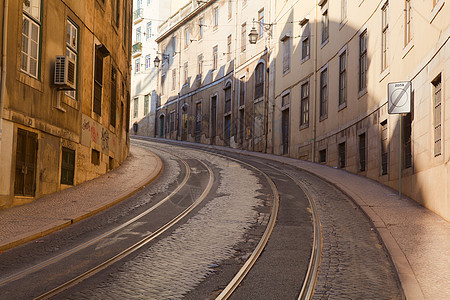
column 65, row 73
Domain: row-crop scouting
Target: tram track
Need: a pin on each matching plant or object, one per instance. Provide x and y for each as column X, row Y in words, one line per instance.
column 307, row 288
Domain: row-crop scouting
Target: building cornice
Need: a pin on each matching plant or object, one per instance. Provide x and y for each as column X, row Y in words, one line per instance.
column 184, row 20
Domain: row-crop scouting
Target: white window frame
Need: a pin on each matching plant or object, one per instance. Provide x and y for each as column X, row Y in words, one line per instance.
column 33, row 17
column 72, row 52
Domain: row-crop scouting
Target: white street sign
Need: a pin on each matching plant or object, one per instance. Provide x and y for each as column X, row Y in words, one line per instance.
column 399, row 97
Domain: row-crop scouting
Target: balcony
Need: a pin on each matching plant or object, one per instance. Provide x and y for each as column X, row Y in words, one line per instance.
column 138, row 15
column 136, row 49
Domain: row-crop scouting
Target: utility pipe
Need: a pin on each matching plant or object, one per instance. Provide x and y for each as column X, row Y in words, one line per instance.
column 4, row 52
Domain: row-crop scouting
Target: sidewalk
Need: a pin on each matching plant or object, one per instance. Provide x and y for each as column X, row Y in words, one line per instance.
column 24, row 223
column 417, row 239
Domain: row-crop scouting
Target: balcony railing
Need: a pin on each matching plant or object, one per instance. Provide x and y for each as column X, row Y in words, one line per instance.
column 138, row 14
column 137, row 48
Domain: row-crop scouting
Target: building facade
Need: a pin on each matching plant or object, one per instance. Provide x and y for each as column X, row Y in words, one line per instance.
column 65, row 94
column 314, row 86
column 147, row 15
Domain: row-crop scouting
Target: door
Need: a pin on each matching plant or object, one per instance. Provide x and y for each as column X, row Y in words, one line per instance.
column 198, row 121
column 227, row 130
column 285, row 131
column 25, row 179
column 213, row 119
column 184, row 123
column 161, row 126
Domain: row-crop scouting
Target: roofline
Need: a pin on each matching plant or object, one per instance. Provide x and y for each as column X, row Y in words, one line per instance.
column 183, row 21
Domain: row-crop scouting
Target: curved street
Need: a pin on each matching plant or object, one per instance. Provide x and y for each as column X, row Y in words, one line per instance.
column 189, row 232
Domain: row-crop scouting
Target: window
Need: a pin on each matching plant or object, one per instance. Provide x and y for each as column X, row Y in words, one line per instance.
column 95, row 157
column 243, row 37
column 363, row 60
column 384, row 36
column 408, row 19
column 362, row 152
column 72, row 51
column 437, row 105
column 305, row 43
column 215, row 58
column 186, row 72
column 229, row 48
column 31, row 28
column 227, row 90
column 201, row 25
column 172, row 121
column 259, row 81
column 149, row 2
column 200, row 64
column 163, row 83
column 260, row 23
column 137, row 65
column 98, row 80
column 325, row 26
column 148, row 62
column 117, row 13
column 174, row 45
column 406, row 139
column 146, row 104
column 324, row 93
column 174, row 79
column 113, row 104
column 125, row 24
column 343, row 78
column 384, row 147
column 242, row 91
column 148, row 31
column 285, row 100
column 186, row 37
column 216, row 17
column 111, row 163
column 286, row 54
column 343, row 10
column 323, row 156
column 230, row 9
column 138, row 34
column 341, row 153
column 136, row 107
column 304, row 105
column 67, row 165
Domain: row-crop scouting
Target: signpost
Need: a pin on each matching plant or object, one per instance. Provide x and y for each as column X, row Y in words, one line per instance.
column 399, row 102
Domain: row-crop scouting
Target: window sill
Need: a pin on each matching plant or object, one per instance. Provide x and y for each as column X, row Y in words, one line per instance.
column 362, row 93
column 384, row 74
column 304, row 59
column 437, row 8
column 30, row 81
column 342, row 24
column 322, row 118
column 342, row 106
column 304, row 126
column 70, row 102
column 286, row 72
column 324, row 43
column 407, row 48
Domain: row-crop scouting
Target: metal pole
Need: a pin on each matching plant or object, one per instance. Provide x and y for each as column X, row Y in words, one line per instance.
column 400, row 161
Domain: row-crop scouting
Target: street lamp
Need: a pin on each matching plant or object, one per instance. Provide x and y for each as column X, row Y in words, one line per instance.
column 253, row 36
column 157, row 61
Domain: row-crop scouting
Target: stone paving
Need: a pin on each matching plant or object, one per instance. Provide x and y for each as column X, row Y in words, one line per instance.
column 176, row 264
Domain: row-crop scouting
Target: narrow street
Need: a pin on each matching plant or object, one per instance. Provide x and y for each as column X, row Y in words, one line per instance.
column 188, row 233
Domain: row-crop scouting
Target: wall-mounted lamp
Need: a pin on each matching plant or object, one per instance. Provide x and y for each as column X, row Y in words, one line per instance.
column 253, row 35
column 157, row 61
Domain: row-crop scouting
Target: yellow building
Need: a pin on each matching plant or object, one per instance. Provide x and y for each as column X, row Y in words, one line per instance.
column 65, row 78
column 314, row 86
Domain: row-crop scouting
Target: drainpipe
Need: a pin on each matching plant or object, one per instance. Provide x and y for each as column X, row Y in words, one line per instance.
column 4, row 48
column 315, row 88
